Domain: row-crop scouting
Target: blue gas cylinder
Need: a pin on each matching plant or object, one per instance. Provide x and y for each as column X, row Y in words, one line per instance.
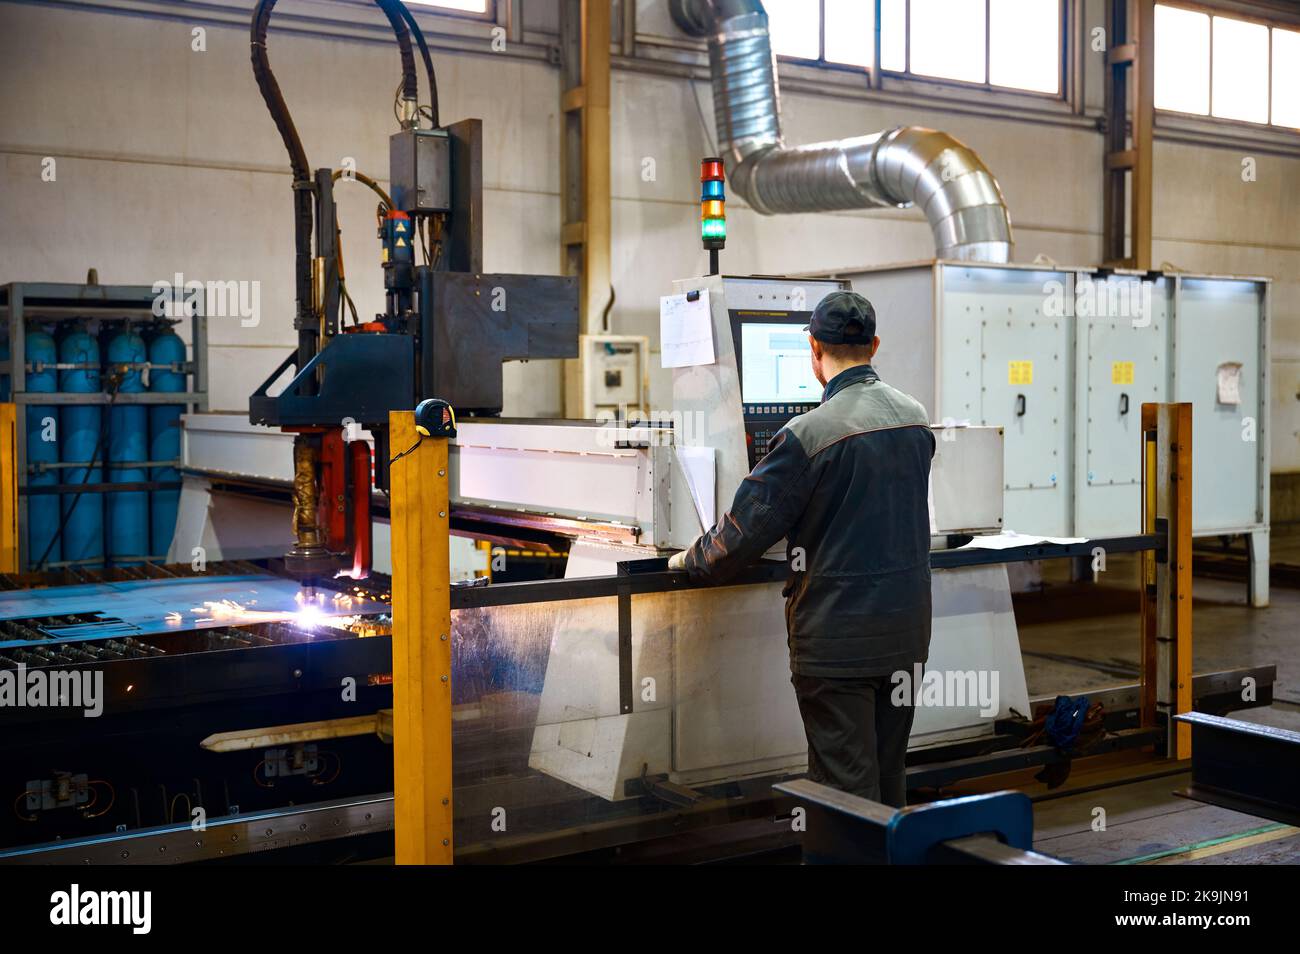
column 79, row 441
column 126, row 514
column 165, row 437
column 43, row 543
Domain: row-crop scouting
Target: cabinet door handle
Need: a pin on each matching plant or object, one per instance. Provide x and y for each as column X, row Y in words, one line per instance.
column 1020, row 405
column 1123, row 404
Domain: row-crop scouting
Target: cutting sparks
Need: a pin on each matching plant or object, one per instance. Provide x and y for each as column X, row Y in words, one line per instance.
column 230, row 611
column 314, row 609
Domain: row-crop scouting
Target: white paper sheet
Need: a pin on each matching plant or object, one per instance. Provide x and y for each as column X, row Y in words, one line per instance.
column 1009, row 539
column 700, row 468
column 685, row 331
column 1228, row 383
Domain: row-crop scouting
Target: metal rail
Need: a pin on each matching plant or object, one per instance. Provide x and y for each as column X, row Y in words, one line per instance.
column 651, row 575
column 226, row 837
column 1244, row 766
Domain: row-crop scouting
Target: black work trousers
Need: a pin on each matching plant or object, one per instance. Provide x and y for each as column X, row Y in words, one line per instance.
column 857, row 738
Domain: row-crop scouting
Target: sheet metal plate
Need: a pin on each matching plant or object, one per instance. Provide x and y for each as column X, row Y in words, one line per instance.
column 142, row 607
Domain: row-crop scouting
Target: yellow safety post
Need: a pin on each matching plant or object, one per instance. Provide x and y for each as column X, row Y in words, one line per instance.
column 1147, row 650
column 1167, row 575
column 8, row 488
column 421, row 645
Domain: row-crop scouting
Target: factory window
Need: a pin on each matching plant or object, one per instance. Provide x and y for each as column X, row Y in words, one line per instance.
column 849, row 26
column 893, row 35
column 1025, row 44
column 1008, row 43
column 1286, row 77
column 1012, row 44
column 459, row 6
column 1226, row 67
column 1182, row 60
column 840, row 32
column 1240, row 77
column 946, row 39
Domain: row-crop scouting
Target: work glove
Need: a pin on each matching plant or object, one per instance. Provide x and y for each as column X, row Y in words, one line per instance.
column 677, row 561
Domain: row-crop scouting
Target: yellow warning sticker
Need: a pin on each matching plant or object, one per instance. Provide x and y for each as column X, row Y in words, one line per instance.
column 401, row 243
column 1121, row 372
column 1020, row 372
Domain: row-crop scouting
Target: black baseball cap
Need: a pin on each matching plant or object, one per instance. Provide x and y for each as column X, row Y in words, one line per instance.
column 843, row 317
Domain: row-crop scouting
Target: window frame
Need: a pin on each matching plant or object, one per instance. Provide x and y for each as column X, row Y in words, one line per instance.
column 1233, row 13
column 820, row 59
column 876, row 74
column 432, row 6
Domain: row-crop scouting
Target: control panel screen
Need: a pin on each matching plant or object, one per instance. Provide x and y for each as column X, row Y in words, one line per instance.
column 776, row 364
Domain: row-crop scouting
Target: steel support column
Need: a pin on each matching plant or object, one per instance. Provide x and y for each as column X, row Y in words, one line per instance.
column 1167, row 573
column 585, row 178
column 1130, row 68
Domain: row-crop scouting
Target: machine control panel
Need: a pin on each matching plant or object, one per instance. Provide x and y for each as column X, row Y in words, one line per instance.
column 777, row 383
column 762, row 421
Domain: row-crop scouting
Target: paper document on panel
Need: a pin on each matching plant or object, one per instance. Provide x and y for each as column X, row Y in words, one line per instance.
column 699, row 466
column 1228, row 383
column 685, row 330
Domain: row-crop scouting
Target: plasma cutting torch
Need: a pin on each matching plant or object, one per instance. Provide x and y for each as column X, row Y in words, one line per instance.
column 445, row 329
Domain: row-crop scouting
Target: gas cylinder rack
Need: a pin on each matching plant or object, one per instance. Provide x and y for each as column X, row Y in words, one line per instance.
column 70, row 360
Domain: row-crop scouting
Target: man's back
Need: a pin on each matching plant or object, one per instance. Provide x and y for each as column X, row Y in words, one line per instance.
column 859, row 603
column 848, row 482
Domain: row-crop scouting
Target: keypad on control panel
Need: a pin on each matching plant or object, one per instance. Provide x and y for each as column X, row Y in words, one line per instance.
column 763, row 421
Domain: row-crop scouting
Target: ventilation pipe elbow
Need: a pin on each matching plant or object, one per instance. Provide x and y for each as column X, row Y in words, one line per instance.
column 898, row 168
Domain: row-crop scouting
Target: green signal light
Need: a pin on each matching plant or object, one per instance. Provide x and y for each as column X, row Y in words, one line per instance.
column 713, row 228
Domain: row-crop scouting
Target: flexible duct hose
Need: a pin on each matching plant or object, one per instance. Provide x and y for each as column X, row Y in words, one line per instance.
column 898, row 168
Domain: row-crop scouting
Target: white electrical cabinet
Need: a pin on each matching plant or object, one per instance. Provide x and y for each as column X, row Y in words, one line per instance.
column 1063, row 358
column 610, row 378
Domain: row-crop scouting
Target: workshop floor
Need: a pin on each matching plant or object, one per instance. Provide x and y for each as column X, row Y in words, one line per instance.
column 1076, row 638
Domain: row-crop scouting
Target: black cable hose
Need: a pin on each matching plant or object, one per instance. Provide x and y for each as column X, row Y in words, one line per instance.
column 302, row 197
column 428, row 61
column 393, row 9
column 308, row 335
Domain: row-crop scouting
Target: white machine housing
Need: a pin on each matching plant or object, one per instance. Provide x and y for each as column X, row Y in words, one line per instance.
column 1063, row 357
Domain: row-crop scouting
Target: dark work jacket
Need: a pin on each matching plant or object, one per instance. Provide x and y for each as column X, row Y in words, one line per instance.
column 847, row 484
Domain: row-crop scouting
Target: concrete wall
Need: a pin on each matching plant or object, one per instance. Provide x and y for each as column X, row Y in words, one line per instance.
column 168, row 162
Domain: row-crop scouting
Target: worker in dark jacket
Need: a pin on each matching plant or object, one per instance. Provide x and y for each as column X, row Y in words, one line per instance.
column 847, row 484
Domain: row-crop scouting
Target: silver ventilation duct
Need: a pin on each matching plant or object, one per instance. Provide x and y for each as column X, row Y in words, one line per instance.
column 898, row 168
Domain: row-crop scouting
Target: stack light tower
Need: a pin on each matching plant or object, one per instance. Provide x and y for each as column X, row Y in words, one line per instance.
column 713, row 209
